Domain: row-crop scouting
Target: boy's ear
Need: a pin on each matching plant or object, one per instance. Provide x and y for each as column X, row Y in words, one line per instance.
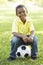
column 26, row 11
column 16, row 15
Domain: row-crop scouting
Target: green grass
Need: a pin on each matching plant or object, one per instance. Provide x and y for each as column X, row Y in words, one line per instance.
column 5, row 35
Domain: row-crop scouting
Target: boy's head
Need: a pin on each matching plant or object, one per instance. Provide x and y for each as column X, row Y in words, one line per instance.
column 21, row 12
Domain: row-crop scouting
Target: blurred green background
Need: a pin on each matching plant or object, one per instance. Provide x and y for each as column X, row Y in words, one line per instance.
column 7, row 14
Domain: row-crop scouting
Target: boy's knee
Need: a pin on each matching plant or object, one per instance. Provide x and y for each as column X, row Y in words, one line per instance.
column 14, row 40
column 35, row 39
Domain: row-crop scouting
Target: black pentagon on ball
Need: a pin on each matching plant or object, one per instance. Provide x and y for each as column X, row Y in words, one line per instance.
column 23, row 47
column 26, row 55
column 18, row 54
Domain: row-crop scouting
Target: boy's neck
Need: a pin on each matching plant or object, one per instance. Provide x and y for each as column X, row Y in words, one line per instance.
column 23, row 21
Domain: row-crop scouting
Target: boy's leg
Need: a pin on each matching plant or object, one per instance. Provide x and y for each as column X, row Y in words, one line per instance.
column 34, row 48
column 15, row 43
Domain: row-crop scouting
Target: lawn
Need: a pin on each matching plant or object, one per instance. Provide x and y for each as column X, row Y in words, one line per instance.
column 5, row 36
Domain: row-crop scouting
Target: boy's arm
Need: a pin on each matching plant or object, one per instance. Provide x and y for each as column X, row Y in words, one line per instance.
column 30, row 38
column 17, row 34
column 23, row 37
column 32, row 34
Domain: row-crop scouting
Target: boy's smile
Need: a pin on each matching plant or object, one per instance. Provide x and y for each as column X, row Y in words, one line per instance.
column 21, row 13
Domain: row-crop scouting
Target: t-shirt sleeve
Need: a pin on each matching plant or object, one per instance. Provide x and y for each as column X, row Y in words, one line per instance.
column 14, row 26
column 31, row 25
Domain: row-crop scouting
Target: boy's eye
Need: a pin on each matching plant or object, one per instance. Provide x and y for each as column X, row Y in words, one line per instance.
column 22, row 12
column 19, row 12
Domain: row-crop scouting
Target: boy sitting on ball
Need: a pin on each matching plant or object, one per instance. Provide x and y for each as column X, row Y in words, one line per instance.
column 23, row 33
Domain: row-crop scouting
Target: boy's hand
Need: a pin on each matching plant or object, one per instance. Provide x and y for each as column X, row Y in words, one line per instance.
column 25, row 39
column 30, row 39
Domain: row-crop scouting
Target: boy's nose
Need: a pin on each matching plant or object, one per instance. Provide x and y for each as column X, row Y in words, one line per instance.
column 22, row 13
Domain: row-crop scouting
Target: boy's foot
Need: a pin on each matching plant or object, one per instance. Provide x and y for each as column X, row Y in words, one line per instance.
column 31, row 60
column 11, row 59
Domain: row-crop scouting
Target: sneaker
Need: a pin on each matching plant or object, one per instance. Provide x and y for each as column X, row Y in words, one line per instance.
column 34, row 58
column 32, row 61
column 11, row 59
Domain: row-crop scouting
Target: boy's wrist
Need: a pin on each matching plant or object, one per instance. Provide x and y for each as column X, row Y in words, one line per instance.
column 31, row 37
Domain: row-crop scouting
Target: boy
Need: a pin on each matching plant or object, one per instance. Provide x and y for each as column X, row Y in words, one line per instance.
column 23, row 33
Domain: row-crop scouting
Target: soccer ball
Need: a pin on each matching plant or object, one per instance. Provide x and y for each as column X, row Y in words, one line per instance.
column 23, row 52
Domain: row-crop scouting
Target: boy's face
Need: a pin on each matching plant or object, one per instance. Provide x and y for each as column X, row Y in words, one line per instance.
column 21, row 13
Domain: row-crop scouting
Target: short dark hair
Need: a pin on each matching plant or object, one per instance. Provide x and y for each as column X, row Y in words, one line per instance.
column 19, row 6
